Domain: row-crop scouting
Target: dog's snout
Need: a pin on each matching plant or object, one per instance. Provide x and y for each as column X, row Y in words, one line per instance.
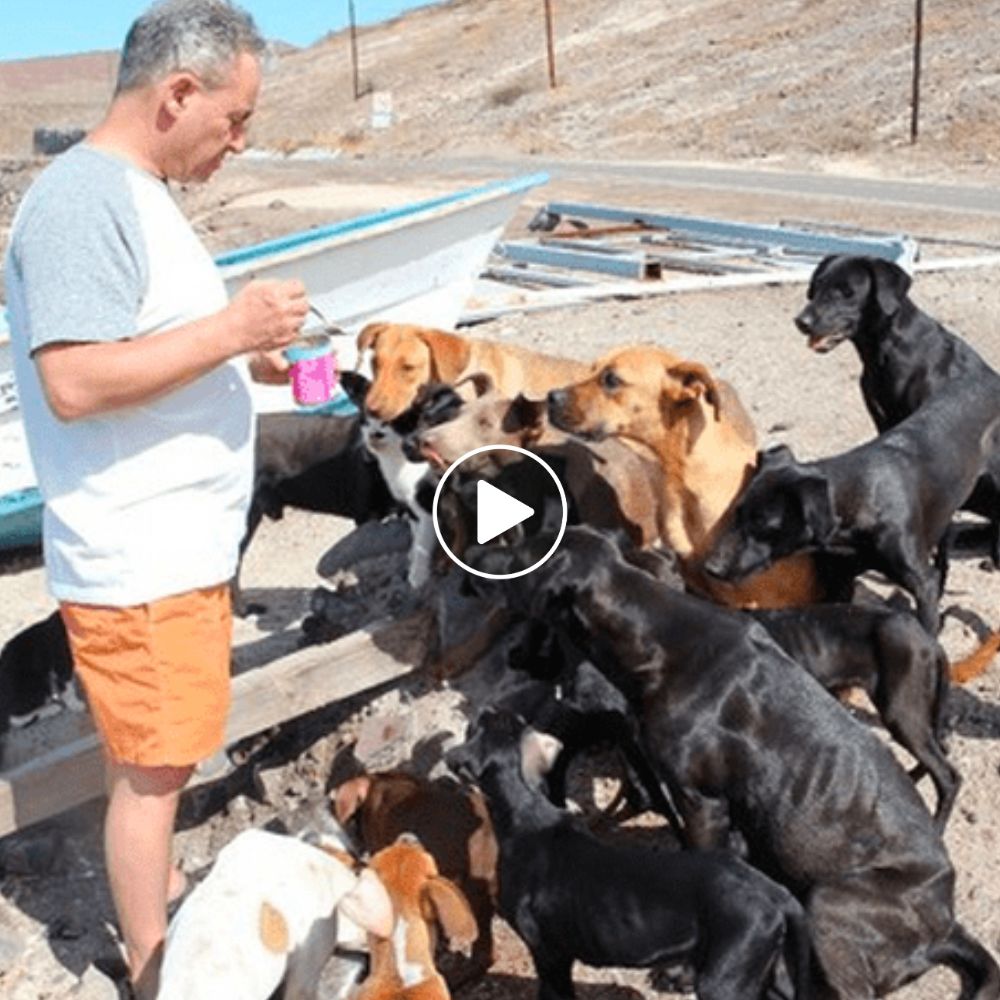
column 805, row 321
column 557, row 401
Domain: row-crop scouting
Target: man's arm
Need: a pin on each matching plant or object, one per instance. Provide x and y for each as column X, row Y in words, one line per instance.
column 88, row 378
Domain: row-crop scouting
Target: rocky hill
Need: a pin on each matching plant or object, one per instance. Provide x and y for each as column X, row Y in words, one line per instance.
column 796, row 81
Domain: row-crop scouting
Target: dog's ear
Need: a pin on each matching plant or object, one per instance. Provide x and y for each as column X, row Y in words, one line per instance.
column 272, row 929
column 539, row 752
column 347, row 798
column 817, row 276
column 696, row 381
column 525, row 414
column 356, row 387
column 481, row 382
column 778, row 456
column 368, row 905
column 550, row 595
column 891, row 284
column 449, row 353
column 369, row 334
column 817, row 507
column 452, row 910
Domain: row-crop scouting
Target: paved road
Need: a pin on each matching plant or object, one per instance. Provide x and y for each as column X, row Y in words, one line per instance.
column 963, row 198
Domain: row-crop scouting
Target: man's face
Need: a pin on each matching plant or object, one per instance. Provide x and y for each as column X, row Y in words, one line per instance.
column 210, row 123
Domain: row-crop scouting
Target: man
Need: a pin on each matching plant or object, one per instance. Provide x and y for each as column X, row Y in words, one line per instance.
column 139, row 422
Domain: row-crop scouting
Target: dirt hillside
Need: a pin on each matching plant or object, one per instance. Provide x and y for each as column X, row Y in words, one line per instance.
column 794, row 80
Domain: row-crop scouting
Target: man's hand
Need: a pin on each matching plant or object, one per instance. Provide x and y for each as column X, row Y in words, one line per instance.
column 269, row 367
column 267, row 315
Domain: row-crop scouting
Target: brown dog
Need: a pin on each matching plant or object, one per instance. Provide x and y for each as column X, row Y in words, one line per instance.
column 705, row 444
column 402, row 965
column 406, row 357
column 452, row 823
column 611, row 485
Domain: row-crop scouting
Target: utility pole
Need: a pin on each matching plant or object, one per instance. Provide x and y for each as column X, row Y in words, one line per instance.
column 354, row 49
column 918, row 36
column 550, row 44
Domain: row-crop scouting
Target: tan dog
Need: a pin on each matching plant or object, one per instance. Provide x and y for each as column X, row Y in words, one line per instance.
column 705, row 444
column 403, row 358
column 402, row 966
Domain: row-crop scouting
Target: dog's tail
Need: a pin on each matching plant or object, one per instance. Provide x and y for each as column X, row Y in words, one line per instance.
column 979, row 973
column 977, row 661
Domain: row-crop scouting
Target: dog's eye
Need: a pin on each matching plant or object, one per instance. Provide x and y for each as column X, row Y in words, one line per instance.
column 609, row 379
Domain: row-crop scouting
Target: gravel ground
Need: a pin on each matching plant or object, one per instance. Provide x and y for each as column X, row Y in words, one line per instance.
column 55, row 915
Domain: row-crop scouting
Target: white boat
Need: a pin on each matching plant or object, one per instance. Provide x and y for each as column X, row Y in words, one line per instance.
column 416, row 263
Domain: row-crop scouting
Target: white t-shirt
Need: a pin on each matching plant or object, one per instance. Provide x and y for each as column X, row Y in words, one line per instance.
column 149, row 500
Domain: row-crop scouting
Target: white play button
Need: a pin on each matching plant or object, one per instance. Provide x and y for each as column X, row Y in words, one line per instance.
column 522, row 472
column 496, row 511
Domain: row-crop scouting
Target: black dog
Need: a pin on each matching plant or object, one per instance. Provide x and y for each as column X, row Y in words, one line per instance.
column 313, row 462
column 906, row 355
column 36, row 669
column 749, row 741
column 888, row 653
column 573, row 897
column 888, row 503
column 530, row 672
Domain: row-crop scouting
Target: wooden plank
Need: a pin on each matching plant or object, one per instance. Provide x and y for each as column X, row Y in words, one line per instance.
column 288, row 687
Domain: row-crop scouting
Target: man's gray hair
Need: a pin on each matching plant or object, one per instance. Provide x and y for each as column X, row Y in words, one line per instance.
column 203, row 37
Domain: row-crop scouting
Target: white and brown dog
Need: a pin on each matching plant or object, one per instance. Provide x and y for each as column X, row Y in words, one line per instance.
column 270, row 912
column 402, row 966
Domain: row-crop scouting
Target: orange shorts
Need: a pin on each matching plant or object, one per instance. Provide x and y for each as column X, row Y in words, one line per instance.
column 156, row 675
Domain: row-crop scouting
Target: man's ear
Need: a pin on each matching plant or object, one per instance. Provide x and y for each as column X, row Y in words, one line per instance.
column 178, row 89
column 891, row 284
column 449, row 353
column 696, row 381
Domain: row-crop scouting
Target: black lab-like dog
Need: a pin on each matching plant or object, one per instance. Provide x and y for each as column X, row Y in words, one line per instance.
column 887, row 503
column 745, row 740
column 906, row 356
column 888, row 653
column 572, row 897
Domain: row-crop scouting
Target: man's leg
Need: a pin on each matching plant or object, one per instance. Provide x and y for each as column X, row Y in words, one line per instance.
column 138, row 832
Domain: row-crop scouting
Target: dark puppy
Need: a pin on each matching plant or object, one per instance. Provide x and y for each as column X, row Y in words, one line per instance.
column 572, row 897
column 906, row 355
column 753, row 743
column 36, row 669
column 888, row 503
column 313, row 462
column 530, row 672
column 888, row 653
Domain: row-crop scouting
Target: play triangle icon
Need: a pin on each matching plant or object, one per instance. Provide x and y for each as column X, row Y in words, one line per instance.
column 497, row 511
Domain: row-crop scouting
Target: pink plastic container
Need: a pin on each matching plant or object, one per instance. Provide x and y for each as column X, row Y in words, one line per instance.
column 314, row 369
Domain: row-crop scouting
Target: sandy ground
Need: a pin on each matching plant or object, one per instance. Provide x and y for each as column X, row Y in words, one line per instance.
column 55, row 916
